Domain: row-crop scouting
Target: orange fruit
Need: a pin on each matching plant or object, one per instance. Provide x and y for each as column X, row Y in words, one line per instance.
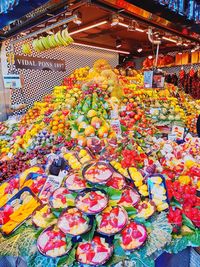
column 55, row 123
column 89, row 131
column 54, row 128
column 61, row 126
column 61, row 130
column 56, row 118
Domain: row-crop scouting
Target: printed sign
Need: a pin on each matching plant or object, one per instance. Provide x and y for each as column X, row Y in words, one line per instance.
column 12, row 81
column 178, row 131
column 24, row 62
column 116, row 125
column 51, row 184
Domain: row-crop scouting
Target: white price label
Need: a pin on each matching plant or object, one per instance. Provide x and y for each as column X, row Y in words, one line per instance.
column 10, row 155
column 172, row 137
column 63, row 173
column 33, row 162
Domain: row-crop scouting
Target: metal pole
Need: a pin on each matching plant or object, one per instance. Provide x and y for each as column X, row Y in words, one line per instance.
column 48, row 28
column 157, row 52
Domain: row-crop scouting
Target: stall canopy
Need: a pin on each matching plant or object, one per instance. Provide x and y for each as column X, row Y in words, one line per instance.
column 110, row 24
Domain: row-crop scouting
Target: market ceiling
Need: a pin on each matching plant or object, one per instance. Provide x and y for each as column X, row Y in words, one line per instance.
column 97, row 28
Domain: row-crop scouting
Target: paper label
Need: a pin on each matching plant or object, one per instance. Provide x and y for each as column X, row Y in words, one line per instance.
column 172, row 137
column 33, row 161
column 10, row 155
column 178, row 131
column 116, row 126
column 63, row 173
column 52, row 183
column 114, row 114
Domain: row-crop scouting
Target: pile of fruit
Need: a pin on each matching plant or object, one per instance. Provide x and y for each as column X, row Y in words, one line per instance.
column 93, row 177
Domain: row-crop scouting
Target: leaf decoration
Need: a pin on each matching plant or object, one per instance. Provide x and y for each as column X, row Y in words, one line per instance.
column 188, row 222
column 113, row 194
column 174, row 202
column 20, row 244
column 118, row 250
column 89, row 236
column 160, row 234
column 71, row 256
column 131, row 211
column 177, row 244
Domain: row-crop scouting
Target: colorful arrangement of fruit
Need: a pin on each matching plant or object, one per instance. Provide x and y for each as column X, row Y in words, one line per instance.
column 100, row 183
column 18, row 209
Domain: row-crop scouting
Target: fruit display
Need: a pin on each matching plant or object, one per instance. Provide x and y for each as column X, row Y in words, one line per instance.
column 96, row 252
column 52, row 242
column 133, row 236
column 97, row 177
column 112, row 220
column 73, row 222
column 17, row 209
column 91, row 202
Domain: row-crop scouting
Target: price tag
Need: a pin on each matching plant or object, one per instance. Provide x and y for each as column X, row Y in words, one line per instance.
column 116, row 125
column 63, row 173
column 172, row 137
column 33, row 161
column 52, row 183
column 178, row 131
column 10, row 155
column 114, row 114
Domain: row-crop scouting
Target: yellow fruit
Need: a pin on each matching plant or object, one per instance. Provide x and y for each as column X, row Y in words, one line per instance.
column 96, row 122
column 61, row 126
column 82, row 125
column 55, row 123
column 103, row 132
column 74, row 134
column 91, row 113
column 89, row 131
column 82, row 141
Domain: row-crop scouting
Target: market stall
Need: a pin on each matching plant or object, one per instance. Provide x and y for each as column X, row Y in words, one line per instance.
column 101, row 166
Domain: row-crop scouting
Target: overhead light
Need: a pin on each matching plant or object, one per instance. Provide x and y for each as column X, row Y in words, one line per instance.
column 139, row 49
column 150, row 57
column 180, row 52
column 49, row 32
column 88, row 27
column 179, row 42
column 118, row 43
column 23, row 33
column 169, row 39
column 185, row 44
column 102, row 48
column 78, row 19
column 126, row 26
column 132, row 26
column 193, row 50
column 114, row 20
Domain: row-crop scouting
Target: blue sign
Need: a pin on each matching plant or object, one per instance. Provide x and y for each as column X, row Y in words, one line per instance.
column 188, row 8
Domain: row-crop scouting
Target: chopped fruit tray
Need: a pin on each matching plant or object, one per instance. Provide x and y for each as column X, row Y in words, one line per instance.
column 129, row 198
column 145, row 209
column 158, row 192
column 17, row 210
column 43, row 217
column 52, row 242
column 133, row 236
column 59, row 198
column 112, row 220
column 97, row 173
column 117, row 181
column 91, row 201
column 73, row 222
column 75, row 182
column 95, row 252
